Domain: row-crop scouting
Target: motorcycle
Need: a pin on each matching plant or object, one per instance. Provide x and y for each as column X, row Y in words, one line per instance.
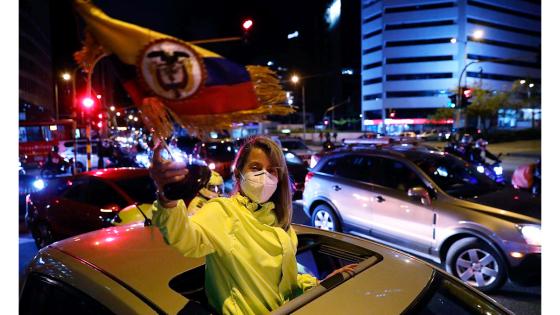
column 493, row 170
column 56, row 166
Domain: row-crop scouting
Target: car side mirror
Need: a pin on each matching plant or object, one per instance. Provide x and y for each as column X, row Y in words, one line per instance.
column 111, row 207
column 420, row 193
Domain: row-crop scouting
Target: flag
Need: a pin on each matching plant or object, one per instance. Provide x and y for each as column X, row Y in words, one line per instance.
column 192, row 83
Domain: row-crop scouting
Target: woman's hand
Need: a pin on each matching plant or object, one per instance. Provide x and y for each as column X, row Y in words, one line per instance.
column 164, row 172
column 348, row 268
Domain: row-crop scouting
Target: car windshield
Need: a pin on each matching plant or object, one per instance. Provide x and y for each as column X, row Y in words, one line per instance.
column 293, row 145
column 446, row 296
column 455, row 176
column 221, row 150
column 140, row 189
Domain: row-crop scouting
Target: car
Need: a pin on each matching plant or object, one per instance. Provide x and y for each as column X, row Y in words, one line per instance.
column 66, row 151
column 218, row 154
column 297, row 169
column 130, row 270
column 430, row 135
column 431, row 204
column 296, row 146
column 69, row 206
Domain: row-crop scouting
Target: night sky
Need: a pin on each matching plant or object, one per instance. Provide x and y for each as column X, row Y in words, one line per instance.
column 316, row 51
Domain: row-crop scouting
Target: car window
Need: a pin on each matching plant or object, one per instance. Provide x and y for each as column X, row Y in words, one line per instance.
column 43, row 295
column 397, row 175
column 140, row 189
column 293, row 145
column 330, row 166
column 357, row 167
column 77, row 190
column 101, row 194
column 455, row 176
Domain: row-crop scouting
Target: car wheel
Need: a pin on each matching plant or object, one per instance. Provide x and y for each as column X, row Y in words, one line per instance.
column 46, row 173
column 80, row 167
column 42, row 234
column 324, row 218
column 476, row 263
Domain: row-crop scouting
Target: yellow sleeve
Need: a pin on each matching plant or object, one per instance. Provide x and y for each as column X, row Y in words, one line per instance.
column 304, row 281
column 204, row 233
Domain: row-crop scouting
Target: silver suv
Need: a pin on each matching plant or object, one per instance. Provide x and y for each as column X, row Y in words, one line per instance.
column 431, row 204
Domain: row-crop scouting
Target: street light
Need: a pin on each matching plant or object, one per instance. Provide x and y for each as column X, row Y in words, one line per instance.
column 295, row 80
column 477, row 35
column 66, row 77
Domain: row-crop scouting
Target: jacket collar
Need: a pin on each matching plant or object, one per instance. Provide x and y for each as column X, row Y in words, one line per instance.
column 263, row 212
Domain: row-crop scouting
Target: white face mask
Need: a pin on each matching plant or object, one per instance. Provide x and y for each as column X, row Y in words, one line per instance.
column 259, row 186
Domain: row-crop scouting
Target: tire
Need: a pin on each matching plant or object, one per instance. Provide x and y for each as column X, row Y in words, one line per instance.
column 80, row 167
column 42, row 234
column 476, row 263
column 47, row 173
column 325, row 218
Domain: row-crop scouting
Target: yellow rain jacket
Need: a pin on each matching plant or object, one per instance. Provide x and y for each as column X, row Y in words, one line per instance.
column 251, row 263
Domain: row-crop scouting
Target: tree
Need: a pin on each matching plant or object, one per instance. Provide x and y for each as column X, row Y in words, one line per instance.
column 526, row 94
column 443, row 113
column 485, row 105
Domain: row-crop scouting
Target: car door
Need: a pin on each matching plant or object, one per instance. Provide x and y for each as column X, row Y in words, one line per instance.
column 349, row 190
column 67, row 214
column 105, row 202
column 398, row 218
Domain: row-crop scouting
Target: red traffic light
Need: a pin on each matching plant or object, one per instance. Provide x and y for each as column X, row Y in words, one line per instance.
column 247, row 24
column 392, row 114
column 467, row 93
column 87, row 102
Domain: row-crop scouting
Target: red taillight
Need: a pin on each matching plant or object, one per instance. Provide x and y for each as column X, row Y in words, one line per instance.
column 308, row 177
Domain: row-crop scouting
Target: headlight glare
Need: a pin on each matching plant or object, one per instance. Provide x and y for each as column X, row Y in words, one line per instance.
column 531, row 234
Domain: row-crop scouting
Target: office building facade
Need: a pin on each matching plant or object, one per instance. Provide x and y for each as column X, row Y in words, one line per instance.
column 413, row 52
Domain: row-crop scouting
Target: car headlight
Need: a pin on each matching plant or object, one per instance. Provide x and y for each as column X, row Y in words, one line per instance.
column 480, row 169
column 531, row 234
column 498, row 170
column 39, row 184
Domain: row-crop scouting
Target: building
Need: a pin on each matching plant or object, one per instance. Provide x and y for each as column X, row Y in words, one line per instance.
column 36, row 93
column 413, row 52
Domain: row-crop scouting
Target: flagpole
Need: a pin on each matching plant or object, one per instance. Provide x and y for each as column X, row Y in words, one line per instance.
column 215, row 40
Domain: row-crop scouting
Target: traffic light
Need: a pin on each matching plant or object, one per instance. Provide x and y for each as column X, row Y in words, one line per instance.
column 452, row 100
column 392, row 114
column 247, row 25
column 466, row 98
column 87, row 102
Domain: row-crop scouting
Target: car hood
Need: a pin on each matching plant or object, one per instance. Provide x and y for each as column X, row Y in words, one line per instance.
column 512, row 200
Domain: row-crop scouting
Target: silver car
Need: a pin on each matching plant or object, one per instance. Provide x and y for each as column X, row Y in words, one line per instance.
column 130, row 270
column 433, row 205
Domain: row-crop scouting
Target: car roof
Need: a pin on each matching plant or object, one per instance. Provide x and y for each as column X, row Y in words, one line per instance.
column 139, row 258
column 117, row 173
column 132, row 254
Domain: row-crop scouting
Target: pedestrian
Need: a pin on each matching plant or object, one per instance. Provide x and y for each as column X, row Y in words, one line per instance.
column 214, row 189
column 334, row 136
column 321, row 136
column 327, row 137
column 230, row 231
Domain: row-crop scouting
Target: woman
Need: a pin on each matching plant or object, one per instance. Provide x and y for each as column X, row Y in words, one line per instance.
column 247, row 239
